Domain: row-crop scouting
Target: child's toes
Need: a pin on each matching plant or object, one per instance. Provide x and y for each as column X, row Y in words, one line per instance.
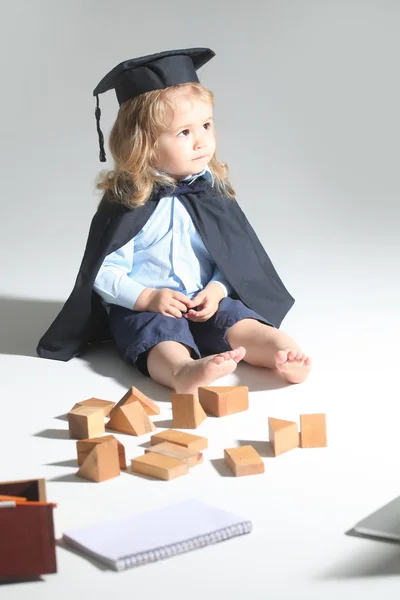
column 281, row 356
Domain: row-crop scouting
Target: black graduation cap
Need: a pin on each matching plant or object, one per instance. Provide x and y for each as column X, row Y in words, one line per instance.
column 146, row 73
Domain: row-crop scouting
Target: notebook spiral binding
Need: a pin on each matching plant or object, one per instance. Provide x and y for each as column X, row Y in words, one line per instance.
column 184, row 546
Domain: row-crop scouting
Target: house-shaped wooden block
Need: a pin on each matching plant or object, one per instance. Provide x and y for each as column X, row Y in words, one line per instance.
column 135, row 395
column 84, row 447
column 102, row 462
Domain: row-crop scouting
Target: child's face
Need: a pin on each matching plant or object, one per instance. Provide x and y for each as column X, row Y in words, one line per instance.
column 189, row 143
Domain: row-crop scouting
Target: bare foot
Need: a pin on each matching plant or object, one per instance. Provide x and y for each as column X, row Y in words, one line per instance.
column 293, row 365
column 204, row 371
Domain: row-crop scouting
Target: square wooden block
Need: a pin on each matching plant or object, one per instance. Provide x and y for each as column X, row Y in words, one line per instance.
column 86, row 422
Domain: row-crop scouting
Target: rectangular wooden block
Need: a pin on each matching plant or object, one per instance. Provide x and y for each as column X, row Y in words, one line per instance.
column 190, row 457
column 221, row 401
column 313, row 431
column 159, row 466
column 86, row 422
column 244, row 460
column 84, row 447
column 188, row 440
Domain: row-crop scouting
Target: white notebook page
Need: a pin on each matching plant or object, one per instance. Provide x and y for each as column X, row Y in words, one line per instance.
column 120, row 538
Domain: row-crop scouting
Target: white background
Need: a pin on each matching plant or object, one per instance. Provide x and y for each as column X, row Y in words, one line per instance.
column 307, row 114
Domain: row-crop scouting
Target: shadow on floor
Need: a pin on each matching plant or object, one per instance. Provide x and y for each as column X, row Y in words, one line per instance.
column 22, row 580
column 221, row 467
column 23, row 321
column 54, row 434
column 380, row 561
column 263, row 448
column 61, row 544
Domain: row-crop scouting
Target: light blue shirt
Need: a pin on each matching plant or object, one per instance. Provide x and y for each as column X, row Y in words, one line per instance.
column 167, row 252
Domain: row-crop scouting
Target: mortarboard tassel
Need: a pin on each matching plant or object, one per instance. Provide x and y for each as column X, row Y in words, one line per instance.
column 102, row 154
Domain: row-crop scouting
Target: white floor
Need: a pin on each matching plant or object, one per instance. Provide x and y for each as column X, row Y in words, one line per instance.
column 308, row 122
column 301, row 507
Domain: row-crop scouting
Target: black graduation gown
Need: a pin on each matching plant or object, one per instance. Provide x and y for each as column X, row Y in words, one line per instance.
column 227, row 235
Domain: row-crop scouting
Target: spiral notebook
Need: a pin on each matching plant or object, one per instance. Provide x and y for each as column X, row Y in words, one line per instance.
column 157, row 534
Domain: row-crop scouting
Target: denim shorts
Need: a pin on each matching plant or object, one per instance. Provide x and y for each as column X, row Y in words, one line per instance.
column 135, row 333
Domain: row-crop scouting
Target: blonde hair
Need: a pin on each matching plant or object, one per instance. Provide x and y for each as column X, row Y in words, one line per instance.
column 133, row 143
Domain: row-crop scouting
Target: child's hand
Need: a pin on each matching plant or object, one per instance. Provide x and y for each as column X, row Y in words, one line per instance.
column 206, row 303
column 168, row 302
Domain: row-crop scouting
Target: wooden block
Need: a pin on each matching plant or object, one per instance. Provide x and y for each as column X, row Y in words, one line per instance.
column 84, row 447
column 159, row 466
column 190, row 457
column 283, row 435
column 135, row 395
column 186, row 411
column 313, row 431
column 188, row 440
column 131, row 419
column 106, row 405
column 221, row 401
column 86, row 422
column 244, row 460
column 102, row 462
column 31, row 489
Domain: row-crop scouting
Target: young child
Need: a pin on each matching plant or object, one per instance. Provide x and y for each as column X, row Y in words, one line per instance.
column 171, row 262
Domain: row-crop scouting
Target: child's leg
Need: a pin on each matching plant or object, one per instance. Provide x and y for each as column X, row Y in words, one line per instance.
column 170, row 364
column 271, row 348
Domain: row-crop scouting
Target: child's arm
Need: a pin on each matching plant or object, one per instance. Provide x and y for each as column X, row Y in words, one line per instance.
column 112, row 282
column 115, row 286
column 220, row 279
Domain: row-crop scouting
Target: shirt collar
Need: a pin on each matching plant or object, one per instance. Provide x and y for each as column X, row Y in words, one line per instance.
column 191, row 178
